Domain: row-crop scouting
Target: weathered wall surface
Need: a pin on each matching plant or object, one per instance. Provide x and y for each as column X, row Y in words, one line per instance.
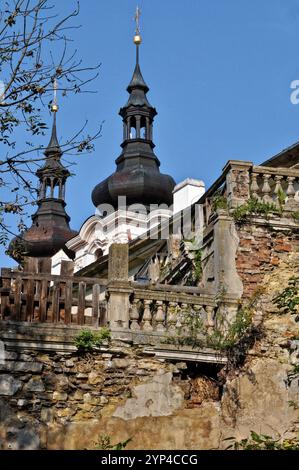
column 263, row 394
column 66, row 401
column 61, row 400
column 262, row 248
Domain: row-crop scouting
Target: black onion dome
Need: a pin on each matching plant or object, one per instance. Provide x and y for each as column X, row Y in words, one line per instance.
column 137, row 175
column 41, row 241
column 139, row 185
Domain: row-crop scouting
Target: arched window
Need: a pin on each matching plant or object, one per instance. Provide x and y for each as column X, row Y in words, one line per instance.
column 143, row 130
column 133, row 131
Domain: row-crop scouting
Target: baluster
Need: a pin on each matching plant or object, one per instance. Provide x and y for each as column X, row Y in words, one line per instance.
column 81, row 303
column 171, row 317
column 147, row 316
column 290, row 192
column 254, row 187
column 44, row 301
column 134, row 315
column 198, row 321
column 160, row 316
column 266, row 189
column 278, row 188
column 210, row 322
column 95, row 306
column 184, row 319
column 29, row 300
column 18, row 300
column 178, row 324
column 4, row 295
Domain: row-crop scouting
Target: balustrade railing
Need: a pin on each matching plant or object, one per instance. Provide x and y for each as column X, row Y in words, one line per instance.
column 242, row 180
column 47, row 298
column 273, row 185
column 153, row 310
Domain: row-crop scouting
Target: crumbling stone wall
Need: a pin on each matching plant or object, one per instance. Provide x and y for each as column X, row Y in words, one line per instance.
column 70, row 401
column 261, row 250
column 59, row 400
column 263, row 393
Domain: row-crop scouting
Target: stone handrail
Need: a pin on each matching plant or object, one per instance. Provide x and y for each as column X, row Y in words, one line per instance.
column 206, row 201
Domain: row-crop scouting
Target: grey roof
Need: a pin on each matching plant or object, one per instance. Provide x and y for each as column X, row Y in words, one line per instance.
column 137, row 81
column 53, row 146
column 288, row 157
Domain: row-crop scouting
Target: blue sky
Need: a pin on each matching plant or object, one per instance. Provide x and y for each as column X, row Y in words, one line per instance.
column 219, row 73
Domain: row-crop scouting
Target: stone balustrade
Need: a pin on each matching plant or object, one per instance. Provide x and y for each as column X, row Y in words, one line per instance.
column 241, row 181
column 155, row 310
column 274, row 185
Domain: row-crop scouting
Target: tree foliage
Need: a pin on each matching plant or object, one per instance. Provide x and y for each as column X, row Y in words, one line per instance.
column 34, row 51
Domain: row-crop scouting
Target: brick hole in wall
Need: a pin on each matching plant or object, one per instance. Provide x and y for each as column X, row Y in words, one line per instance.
column 200, row 383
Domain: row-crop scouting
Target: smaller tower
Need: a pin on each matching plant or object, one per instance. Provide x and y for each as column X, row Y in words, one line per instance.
column 50, row 228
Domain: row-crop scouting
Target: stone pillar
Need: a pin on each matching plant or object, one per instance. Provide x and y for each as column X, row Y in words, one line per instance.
column 138, row 120
column 37, row 265
column 147, row 129
column 125, row 134
column 237, row 182
column 226, row 243
column 67, row 268
column 118, row 287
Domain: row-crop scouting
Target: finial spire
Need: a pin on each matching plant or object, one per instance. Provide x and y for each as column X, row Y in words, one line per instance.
column 53, row 147
column 54, row 107
column 137, row 37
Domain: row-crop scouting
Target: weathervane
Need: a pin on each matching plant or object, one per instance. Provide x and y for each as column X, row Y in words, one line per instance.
column 54, row 107
column 137, row 37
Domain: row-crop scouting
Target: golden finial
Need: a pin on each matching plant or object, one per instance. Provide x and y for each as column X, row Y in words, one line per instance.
column 54, row 107
column 137, row 37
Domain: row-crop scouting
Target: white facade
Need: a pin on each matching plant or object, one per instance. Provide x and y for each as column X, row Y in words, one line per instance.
column 98, row 233
column 186, row 193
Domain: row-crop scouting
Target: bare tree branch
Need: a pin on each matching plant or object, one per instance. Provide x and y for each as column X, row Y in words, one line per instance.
column 34, row 50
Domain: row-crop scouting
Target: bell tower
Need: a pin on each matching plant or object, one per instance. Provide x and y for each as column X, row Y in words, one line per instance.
column 50, row 228
column 137, row 176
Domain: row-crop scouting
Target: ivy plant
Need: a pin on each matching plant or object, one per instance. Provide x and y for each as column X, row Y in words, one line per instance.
column 255, row 207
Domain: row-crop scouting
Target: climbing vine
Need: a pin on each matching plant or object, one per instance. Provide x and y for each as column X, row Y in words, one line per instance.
column 104, row 443
column 236, row 331
column 219, row 202
column 263, row 442
column 288, row 299
column 255, row 207
column 190, row 330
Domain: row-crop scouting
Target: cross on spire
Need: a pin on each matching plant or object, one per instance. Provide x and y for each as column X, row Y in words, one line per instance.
column 137, row 18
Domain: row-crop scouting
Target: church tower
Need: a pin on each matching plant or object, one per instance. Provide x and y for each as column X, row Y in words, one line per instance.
column 136, row 197
column 137, row 175
column 50, row 228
